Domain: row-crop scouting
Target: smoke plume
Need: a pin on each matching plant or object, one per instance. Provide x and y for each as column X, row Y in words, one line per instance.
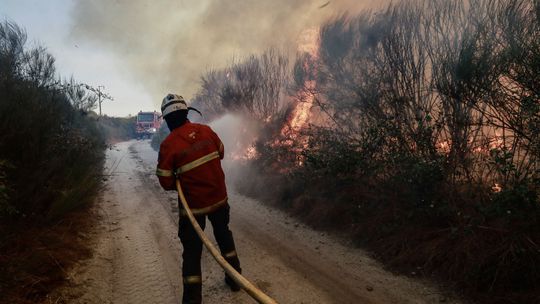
column 166, row 45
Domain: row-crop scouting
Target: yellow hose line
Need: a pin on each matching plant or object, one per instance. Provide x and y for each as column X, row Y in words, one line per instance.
column 251, row 289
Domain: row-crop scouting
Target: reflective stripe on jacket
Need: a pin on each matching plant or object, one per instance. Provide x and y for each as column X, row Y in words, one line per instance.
column 193, row 153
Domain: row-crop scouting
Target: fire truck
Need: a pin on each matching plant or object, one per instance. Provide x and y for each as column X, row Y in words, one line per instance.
column 147, row 124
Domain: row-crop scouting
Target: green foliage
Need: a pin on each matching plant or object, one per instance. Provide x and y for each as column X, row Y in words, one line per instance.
column 81, row 99
column 54, row 152
column 117, row 129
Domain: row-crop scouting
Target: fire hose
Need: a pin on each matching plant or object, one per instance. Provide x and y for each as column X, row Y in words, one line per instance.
column 246, row 285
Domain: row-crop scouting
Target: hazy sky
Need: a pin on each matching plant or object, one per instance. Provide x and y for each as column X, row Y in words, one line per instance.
column 140, row 50
column 49, row 23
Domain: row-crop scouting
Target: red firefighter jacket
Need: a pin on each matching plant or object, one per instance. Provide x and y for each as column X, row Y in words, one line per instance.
column 193, row 153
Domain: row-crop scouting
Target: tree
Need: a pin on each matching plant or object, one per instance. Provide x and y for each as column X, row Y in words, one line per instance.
column 80, row 97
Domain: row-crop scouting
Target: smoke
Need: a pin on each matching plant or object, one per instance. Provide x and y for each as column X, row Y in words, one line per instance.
column 237, row 134
column 166, row 45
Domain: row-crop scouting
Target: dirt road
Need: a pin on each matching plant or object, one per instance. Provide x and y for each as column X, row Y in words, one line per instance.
column 137, row 252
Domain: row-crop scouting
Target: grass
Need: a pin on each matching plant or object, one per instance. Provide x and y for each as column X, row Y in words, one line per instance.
column 36, row 259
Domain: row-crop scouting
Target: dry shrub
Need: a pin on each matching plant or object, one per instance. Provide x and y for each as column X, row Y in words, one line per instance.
column 51, row 155
column 429, row 145
column 53, row 150
column 423, row 141
column 35, row 260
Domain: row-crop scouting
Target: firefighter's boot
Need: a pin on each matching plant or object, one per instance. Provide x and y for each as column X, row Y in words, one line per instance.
column 231, row 283
column 235, row 263
column 192, row 293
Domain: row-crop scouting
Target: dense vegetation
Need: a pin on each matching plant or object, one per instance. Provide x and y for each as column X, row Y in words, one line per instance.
column 51, row 155
column 48, row 148
column 423, row 138
column 116, row 129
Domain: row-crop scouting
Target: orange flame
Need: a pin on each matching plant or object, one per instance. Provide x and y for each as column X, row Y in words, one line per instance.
column 308, row 42
column 496, row 188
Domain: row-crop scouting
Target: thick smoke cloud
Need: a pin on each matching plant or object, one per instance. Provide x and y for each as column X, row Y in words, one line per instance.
column 166, row 45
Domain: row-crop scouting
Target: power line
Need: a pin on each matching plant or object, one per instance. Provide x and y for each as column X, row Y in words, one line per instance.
column 102, row 96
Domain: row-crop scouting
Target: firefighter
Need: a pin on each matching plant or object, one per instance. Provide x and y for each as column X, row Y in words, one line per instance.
column 192, row 153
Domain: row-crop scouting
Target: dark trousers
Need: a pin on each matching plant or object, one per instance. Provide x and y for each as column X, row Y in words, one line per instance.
column 191, row 264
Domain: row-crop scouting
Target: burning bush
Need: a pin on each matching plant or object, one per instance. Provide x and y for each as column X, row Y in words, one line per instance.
column 416, row 129
column 431, row 95
column 427, row 83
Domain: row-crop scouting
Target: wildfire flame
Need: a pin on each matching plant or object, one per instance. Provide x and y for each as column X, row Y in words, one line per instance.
column 300, row 114
column 496, row 141
column 308, row 42
column 443, row 146
column 249, row 154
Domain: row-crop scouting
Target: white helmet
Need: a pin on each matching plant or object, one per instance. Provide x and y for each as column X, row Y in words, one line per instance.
column 171, row 103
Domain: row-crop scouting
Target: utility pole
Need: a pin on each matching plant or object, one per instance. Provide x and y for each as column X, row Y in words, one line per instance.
column 98, row 91
column 100, row 95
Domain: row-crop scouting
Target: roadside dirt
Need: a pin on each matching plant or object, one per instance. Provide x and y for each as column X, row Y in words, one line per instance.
column 137, row 253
